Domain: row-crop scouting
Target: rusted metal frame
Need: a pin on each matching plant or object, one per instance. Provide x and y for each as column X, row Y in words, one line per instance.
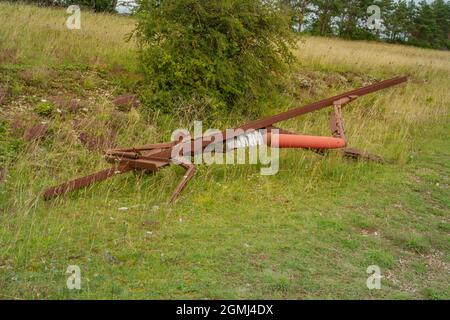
column 122, row 154
column 118, row 158
column 269, row 121
column 159, row 155
column 86, row 181
column 190, row 172
column 147, row 165
column 337, row 130
column 148, row 147
column 258, row 124
column 336, row 120
column 143, row 162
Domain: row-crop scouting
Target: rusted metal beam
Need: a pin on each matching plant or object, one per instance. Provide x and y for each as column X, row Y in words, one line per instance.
column 153, row 157
column 270, row 121
column 85, row 181
column 190, row 171
column 336, row 120
column 258, row 124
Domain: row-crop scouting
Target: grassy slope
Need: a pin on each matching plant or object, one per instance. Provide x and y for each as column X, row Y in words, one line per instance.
column 309, row 232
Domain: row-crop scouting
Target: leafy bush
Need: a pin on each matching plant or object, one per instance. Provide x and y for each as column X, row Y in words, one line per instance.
column 212, row 55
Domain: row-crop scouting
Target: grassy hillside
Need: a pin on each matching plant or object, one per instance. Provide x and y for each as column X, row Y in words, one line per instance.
column 309, row 232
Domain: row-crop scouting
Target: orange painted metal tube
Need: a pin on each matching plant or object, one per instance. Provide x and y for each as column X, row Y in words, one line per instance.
column 302, row 141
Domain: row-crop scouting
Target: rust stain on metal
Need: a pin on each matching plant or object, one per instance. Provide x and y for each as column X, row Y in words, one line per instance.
column 153, row 157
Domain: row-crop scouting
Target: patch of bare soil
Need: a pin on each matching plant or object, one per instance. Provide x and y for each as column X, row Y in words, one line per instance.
column 67, row 103
column 126, row 102
column 36, row 132
column 92, row 140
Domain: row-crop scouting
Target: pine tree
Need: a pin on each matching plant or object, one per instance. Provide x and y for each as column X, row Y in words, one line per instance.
column 324, row 12
column 398, row 21
column 299, row 9
column 441, row 11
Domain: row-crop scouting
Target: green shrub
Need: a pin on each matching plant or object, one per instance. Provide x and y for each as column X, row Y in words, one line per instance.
column 213, row 55
column 44, row 109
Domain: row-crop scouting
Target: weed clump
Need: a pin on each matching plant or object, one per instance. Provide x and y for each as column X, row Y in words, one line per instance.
column 44, row 109
column 9, row 146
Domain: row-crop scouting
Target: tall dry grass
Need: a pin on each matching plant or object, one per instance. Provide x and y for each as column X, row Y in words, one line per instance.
column 40, row 36
column 389, row 122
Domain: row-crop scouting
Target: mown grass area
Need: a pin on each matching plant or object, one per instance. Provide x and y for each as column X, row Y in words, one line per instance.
column 308, row 232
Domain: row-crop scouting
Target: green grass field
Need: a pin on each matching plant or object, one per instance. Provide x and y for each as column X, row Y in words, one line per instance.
column 308, row 232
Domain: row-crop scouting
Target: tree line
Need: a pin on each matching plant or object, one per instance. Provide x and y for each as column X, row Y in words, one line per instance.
column 424, row 24
column 95, row 5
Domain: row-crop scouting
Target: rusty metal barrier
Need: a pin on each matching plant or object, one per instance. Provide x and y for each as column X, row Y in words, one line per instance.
column 153, row 157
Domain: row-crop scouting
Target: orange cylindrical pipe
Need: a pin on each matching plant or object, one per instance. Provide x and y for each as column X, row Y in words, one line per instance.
column 302, row 141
